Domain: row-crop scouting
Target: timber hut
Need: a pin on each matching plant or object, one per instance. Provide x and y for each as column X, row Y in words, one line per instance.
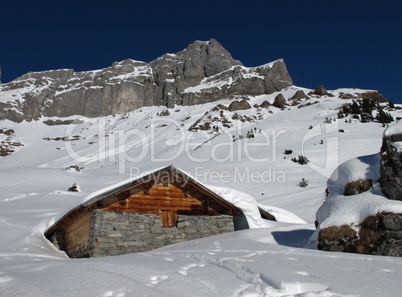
column 160, row 208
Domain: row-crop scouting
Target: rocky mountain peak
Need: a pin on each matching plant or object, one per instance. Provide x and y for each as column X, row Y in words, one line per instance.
column 203, row 72
column 214, row 57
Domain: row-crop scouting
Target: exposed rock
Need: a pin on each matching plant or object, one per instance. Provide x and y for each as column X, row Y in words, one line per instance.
column 391, row 168
column 237, row 81
column 376, row 96
column 280, row 101
column 219, row 107
column 76, row 168
column 379, row 235
column 8, row 144
column 343, row 95
column 300, row 95
column 321, row 91
column 203, row 72
column 174, row 73
column 164, row 113
column 62, row 122
column 239, row 105
column 73, row 188
column 265, row 104
column 296, row 102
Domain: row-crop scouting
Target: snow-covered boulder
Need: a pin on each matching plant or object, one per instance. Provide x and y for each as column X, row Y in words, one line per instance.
column 356, row 216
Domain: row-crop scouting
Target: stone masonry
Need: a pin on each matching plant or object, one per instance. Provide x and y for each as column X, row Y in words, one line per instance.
column 116, row 233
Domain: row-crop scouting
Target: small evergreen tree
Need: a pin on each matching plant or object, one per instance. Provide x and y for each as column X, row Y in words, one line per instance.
column 384, row 117
column 365, row 117
column 346, row 109
column 303, row 183
column 368, row 105
column 355, row 108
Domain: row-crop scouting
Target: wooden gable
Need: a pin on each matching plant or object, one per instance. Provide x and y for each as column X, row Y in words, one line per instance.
column 160, row 197
column 168, row 191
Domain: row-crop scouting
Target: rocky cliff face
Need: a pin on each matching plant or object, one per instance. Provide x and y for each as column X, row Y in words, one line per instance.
column 203, row 72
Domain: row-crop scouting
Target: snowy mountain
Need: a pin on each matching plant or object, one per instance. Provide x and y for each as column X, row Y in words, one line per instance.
column 203, row 72
column 247, row 148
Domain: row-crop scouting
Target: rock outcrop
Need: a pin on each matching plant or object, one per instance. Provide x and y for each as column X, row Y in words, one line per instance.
column 300, row 95
column 322, row 91
column 391, row 167
column 381, row 232
column 279, row 101
column 377, row 235
column 239, row 105
column 376, row 96
column 265, row 104
column 203, row 72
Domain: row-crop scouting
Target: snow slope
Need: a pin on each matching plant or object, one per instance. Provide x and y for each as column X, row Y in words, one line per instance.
column 268, row 260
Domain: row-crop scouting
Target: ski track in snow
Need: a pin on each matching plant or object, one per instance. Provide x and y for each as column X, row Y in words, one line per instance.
column 252, row 282
column 255, row 283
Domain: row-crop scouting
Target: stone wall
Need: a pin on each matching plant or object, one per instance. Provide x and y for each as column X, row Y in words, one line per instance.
column 116, row 233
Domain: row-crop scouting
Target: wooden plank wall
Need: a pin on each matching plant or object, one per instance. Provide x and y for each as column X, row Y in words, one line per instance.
column 161, row 198
column 77, row 234
column 168, row 218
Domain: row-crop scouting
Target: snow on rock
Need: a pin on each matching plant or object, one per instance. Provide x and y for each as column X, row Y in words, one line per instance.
column 338, row 210
column 361, row 220
column 395, row 128
column 282, row 215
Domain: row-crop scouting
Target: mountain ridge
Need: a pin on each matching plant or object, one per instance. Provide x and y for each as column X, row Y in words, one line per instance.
column 203, row 72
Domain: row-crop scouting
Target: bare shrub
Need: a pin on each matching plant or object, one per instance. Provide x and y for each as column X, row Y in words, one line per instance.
column 288, row 152
column 302, row 160
column 357, row 187
column 336, row 238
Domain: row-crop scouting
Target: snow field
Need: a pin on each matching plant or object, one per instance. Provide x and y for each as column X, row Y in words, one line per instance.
column 268, row 260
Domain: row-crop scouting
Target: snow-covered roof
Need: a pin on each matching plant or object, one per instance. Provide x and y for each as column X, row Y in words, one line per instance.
column 154, row 177
column 109, row 195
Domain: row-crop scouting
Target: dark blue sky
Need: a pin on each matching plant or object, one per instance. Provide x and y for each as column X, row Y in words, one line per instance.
column 334, row 43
